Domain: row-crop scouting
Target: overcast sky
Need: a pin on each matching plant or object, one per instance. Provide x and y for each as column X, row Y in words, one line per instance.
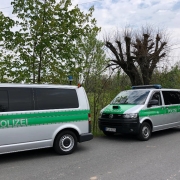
column 111, row 14
column 165, row 14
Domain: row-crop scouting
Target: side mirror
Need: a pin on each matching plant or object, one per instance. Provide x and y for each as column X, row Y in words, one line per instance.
column 153, row 102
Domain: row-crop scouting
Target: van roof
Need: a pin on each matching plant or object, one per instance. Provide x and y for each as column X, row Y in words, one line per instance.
column 38, row 85
column 152, row 89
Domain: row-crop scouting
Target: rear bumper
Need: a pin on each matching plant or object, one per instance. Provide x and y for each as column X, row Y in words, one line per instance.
column 85, row 137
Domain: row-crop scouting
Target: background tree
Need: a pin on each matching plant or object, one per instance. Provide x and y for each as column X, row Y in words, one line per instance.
column 167, row 76
column 137, row 53
column 45, row 43
column 6, row 38
column 91, row 51
column 93, row 66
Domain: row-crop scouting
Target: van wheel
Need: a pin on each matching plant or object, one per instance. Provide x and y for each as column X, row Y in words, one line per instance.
column 108, row 133
column 145, row 132
column 65, row 142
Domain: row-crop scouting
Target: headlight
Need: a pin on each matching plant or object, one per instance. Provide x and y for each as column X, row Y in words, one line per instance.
column 129, row 116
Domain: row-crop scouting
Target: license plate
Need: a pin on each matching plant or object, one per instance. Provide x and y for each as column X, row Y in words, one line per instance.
column 110, row 129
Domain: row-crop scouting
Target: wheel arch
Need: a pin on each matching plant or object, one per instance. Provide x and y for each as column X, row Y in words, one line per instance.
column 147, row 120
column 75, row 131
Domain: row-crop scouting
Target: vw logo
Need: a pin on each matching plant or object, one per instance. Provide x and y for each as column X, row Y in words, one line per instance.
column 111, row 116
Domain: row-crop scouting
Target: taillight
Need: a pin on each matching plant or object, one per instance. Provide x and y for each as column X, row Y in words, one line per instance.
column 89, row 117
column 89, row 120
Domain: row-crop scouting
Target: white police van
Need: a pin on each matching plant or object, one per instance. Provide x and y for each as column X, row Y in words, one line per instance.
column 141, row 111
column 40, row 116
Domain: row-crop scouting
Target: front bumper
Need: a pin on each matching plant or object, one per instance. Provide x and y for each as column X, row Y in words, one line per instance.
column 85, row 137
column 121, row 126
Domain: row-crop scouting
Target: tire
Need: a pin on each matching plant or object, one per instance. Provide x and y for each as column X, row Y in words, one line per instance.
column 65, row 142
column 145, row 132
column 108, row 133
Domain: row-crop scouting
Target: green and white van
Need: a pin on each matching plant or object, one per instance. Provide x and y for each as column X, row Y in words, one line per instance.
column 40, row 116
column 141, row 111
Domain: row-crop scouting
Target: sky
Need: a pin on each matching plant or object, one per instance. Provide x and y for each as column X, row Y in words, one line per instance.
column 113, row 14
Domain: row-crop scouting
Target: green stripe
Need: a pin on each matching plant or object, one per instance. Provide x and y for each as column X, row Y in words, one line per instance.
column 120, row 108
column 39, row 118
column 159, row 111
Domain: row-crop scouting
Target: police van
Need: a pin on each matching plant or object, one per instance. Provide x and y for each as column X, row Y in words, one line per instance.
column 141, row 110
column 41, row 116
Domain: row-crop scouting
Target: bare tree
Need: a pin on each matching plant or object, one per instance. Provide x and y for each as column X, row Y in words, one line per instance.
column 137, row 53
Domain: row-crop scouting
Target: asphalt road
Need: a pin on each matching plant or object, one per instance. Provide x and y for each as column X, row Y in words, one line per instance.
column 122, row 157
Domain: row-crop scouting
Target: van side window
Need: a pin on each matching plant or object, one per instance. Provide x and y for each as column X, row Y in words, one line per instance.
column 51, row 98
column 178, row 96
column 20, row 99
column 171, row 97
column 157, row 96
column 3, row 101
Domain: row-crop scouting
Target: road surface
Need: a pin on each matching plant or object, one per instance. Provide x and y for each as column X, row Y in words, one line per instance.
column 122, row 157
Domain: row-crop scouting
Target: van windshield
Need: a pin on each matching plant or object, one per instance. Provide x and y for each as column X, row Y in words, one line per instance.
column 137, row 97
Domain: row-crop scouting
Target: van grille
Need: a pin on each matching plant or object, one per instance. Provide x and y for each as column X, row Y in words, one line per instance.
column 115, row 116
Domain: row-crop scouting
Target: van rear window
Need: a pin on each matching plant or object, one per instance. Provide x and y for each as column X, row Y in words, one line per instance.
column 54, row 98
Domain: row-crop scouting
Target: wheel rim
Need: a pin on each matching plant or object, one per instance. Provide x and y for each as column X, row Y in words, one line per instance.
column 145, row 132
column 66, row 142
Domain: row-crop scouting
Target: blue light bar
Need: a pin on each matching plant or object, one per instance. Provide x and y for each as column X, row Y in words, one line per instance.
column 154, row 86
